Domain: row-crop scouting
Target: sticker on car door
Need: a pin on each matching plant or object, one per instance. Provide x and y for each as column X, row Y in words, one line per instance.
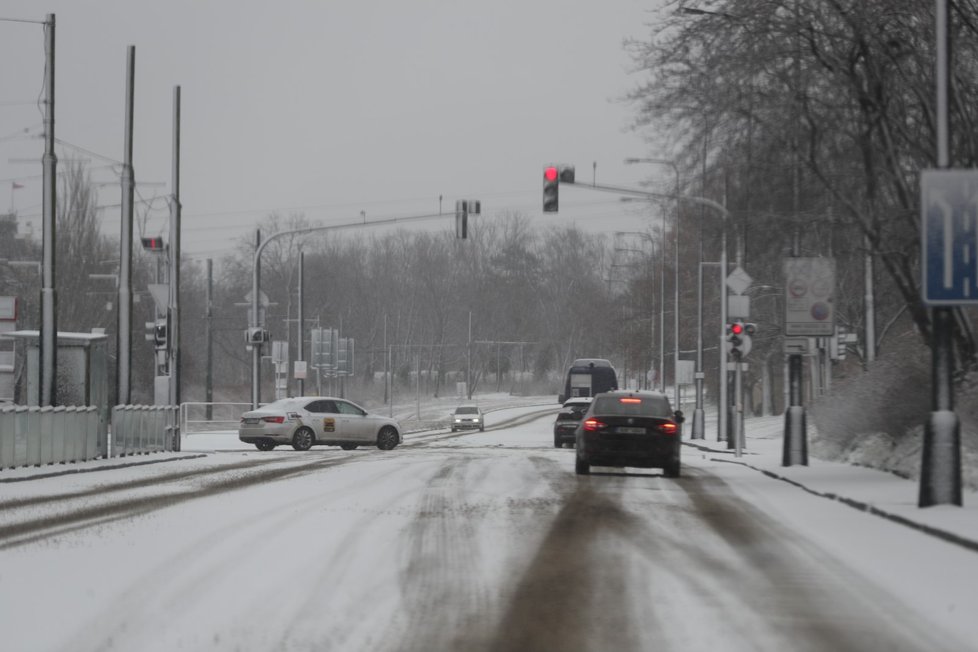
column 329, row 424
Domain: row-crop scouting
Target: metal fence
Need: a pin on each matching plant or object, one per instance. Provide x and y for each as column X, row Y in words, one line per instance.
column 197, row 417
column 145, row 429
column 32, row 436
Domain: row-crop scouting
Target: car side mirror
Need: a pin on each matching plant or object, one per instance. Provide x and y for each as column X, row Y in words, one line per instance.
column 679, row 416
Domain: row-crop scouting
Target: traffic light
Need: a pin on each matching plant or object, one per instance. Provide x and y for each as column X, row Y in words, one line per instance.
column 153, row 244
column 551, row 182
column 159, row 334
column 739, row 338
column 735, row 339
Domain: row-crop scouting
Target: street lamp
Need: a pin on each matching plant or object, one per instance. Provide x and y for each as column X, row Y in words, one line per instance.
column 675, row 317
column 662, row 302
column 709, row 203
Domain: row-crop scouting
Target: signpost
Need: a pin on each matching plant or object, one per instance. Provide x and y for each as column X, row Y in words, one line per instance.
column 949, row 236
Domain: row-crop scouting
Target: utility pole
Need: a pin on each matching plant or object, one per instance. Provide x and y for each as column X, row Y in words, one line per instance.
column 124, row 314
column 209, row 377
column 48, row 368
column 302, row 325
column 173, row 328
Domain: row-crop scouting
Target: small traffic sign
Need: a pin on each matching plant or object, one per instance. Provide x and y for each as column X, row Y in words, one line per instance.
column 739, row 280
column 949, row 236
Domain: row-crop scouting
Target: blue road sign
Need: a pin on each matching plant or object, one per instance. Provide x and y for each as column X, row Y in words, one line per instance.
column 949, row 236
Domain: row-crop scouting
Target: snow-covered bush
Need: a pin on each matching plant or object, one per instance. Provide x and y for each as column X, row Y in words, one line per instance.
column 877, row 418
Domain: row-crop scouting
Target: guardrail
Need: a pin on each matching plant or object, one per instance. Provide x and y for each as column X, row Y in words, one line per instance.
column 144, row 429
column 32, row 436
column 200, row 417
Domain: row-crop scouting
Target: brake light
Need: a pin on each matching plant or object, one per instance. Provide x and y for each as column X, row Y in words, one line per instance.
column 668, row 428
column 273, row 419
column 630, row 400
column 593, row 425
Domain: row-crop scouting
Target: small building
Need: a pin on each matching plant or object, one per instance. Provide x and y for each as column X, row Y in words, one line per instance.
column 82, row 376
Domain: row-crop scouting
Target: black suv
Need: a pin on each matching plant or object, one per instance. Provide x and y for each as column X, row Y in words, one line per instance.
column 623, row 428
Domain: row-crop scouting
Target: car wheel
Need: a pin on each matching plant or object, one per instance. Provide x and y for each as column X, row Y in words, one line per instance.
column 671, row 470
column 348, row 447
column 303, row 439
column 454, row 429
column 581, row 467
column 265, row 445
column 482, row 428
column 386, row 438
column 558, row 443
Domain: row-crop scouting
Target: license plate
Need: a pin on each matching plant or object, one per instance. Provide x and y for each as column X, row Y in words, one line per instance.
column 628, row 430
column 252, row 422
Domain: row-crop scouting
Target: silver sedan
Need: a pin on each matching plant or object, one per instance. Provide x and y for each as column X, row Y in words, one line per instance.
column 306, row 421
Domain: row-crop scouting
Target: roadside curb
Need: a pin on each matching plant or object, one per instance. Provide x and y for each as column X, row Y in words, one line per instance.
column 99, row 467
column 944, row 535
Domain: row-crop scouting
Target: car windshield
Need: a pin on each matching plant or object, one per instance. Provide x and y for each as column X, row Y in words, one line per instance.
column 644, row 406
column 467, row 410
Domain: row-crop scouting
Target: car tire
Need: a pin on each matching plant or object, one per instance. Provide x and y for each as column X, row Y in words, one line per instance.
column 386, row 438
column 303, row 439
column 348, row 447
column 558, row 443
column 482, row 428
column 581, row 467
column 671, row 470
column 454, row 429
column 265, row 445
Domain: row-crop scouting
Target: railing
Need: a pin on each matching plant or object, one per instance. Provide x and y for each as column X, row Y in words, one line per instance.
column 196, row 418
column 32, row 436
column 145, row 429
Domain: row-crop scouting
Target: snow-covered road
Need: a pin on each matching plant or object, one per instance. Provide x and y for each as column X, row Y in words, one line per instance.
column 477, row 541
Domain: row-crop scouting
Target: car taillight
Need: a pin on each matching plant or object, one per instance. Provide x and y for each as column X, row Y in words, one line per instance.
column 668, row 428
column 273, row 419
column 593, row 425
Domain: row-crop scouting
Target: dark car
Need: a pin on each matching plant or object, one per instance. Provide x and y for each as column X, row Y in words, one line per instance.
column 625, row 428
column 568, row 419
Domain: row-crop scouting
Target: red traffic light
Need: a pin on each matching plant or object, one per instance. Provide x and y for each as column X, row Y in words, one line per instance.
column 153, row 244
column 550, row 173
column 736, row 328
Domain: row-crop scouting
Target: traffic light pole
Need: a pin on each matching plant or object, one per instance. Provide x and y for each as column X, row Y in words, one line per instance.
column 725, row 214
column 256, row 281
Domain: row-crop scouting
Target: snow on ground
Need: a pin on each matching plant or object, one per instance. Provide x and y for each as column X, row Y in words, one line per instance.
column 821, row 500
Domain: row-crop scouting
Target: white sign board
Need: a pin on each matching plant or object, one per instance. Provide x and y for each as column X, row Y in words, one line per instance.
column 8, row 308
column 685, row 371
column 809, row 296
column 299, row 370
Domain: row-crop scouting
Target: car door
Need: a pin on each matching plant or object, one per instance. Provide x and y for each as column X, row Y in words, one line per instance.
column 357, row 426
column 322, row 418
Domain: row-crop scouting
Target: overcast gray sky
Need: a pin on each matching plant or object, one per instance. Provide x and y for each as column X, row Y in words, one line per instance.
column 331, row 108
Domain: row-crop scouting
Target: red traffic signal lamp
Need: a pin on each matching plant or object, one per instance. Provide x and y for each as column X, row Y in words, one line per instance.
column 551, row 183
column 739, row 338
column 153, row 244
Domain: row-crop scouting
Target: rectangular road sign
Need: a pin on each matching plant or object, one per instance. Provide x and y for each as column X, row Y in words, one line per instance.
column 949, row 236
column 809, row 307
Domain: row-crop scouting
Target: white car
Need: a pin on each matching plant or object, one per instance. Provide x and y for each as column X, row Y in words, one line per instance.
column 310, row 420
column 467, row 416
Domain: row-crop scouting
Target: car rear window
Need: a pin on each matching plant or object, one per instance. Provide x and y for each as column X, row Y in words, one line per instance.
column 644, row 406
column 467, row 410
